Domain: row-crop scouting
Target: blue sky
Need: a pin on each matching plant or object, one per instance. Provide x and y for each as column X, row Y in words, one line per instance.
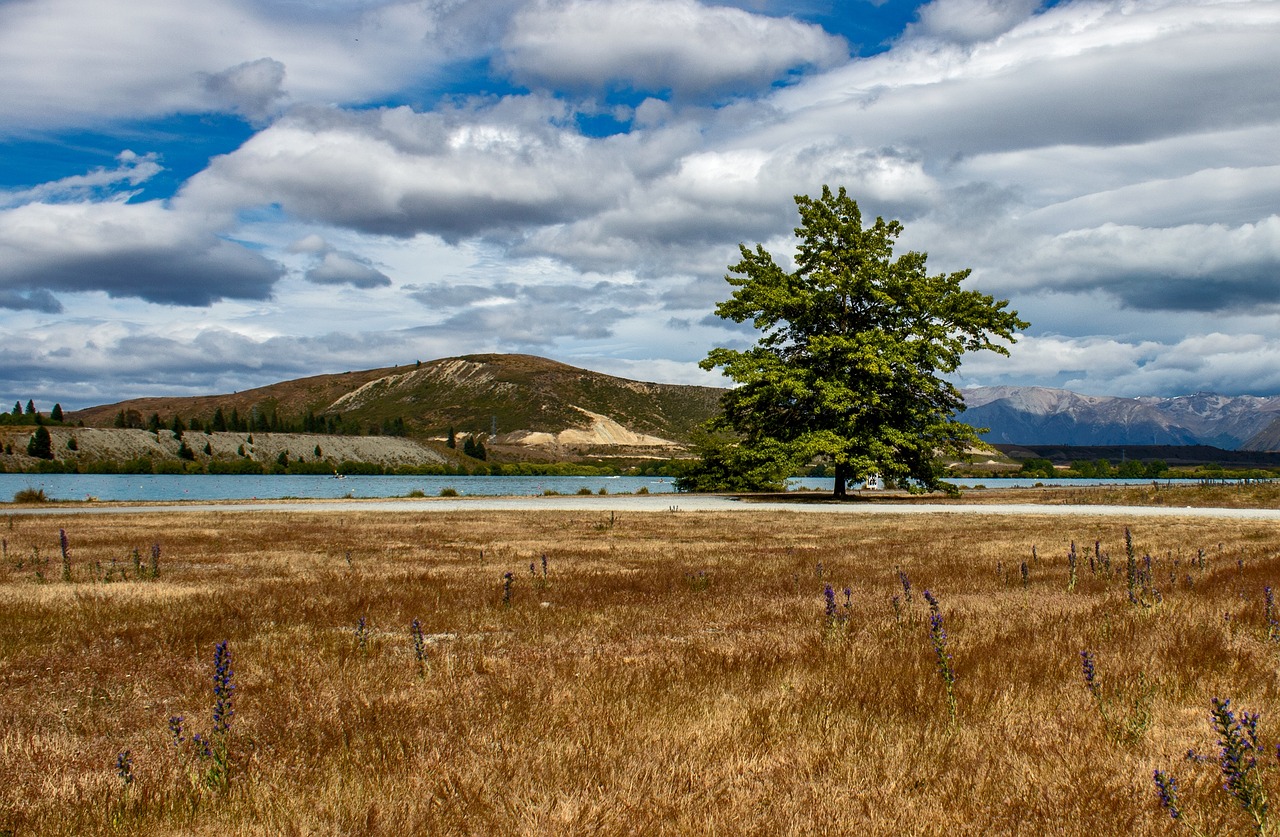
column 205, row 198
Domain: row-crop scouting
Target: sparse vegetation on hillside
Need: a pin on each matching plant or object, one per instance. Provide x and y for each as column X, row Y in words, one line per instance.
column 469, row 396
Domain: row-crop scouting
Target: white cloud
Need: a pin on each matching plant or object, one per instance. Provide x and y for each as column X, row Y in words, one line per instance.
column 254, row 89
column 1108, row 165
column 76, row 62
column 127, row 250
column 967, row 21
column 398, row 172
column 682, row 46
column 133, row 170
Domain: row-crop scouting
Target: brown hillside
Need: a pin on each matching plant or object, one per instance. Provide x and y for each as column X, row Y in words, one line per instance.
column 533, row 403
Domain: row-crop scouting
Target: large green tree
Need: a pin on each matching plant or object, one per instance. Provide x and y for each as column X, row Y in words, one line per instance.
column 854, row 348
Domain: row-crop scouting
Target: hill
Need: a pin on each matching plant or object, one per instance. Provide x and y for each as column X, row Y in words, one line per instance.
column 523, row 406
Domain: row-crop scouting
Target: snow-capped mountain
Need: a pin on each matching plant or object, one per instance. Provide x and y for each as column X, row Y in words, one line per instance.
column 1039, row 415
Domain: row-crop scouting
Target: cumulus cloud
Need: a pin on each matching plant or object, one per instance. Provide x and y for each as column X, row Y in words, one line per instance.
column 1230, row 364
column 126, row 250
column 1190, row 267
column 1109, row 165
column 338, row 267
column 682, row 46
column 969, row 21
column 394, row 171
column 76, row 62
column 253, row 89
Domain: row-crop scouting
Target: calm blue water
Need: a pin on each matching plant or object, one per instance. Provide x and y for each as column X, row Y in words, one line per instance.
column 151, row 487
column 162, row 487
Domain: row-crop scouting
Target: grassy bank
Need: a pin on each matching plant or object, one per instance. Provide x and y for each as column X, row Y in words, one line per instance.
column 670, row 673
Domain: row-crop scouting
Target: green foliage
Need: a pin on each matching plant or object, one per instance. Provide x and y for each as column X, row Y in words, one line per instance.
column 233, row 466
column 1037, row 468
column 474, row 448
column 56, row 413
column 41, row 445
column 725, row 465
column 854, row 347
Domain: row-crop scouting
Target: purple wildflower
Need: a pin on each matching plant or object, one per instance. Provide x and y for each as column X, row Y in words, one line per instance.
column 1090, row 673
column 222, row 689
column 175, row 728
column 938, row 636
column 1238, row 743
column 124, row 767
column 1167, row 790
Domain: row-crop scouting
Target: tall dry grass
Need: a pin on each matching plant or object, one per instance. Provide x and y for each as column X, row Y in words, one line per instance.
column 674, row 674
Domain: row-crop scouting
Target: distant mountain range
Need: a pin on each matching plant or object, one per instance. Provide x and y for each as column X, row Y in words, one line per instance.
column 1042, row 416
column 528, row 402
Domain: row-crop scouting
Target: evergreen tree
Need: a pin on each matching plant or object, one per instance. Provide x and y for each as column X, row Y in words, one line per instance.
column 219, row 421
column 17, row 408
column 41, row 445
column 31, row 407
column 469, row 446
column 153, row 423
column 119, row 422
column 452, row 442
column 178, row 427
column 56, row 412
column 855, row 346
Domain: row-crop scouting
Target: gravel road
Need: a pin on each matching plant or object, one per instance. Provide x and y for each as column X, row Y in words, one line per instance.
column 669, row 503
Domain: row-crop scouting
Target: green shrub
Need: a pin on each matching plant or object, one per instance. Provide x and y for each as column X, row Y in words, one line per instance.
column 448, row 492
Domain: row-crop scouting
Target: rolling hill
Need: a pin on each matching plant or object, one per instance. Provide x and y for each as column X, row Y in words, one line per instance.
column 535, row 405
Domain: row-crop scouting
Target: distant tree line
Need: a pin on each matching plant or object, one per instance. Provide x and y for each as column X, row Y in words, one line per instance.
column 1099, row 469
column 30, row 415
column 262, row 421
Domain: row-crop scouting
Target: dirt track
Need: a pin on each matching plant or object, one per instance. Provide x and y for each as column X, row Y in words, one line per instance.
column 669, row 503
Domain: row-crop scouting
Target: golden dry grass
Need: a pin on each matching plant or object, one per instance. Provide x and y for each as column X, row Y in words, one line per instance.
column 674, row 675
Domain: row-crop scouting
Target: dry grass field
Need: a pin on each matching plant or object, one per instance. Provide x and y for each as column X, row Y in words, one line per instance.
column 672, row 673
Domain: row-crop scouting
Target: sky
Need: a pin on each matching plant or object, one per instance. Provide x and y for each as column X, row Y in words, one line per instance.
column 205, row 197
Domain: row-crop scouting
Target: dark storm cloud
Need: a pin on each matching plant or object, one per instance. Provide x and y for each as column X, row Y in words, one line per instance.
column 37, row 300
column 175, row 277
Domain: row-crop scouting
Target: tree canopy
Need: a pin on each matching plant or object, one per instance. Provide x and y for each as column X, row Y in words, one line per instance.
column 855, row 343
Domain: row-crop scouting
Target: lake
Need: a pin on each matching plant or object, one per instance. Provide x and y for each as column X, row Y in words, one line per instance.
column 168, row 487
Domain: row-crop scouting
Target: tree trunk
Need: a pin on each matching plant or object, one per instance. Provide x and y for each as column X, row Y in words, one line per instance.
column 842, row 476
